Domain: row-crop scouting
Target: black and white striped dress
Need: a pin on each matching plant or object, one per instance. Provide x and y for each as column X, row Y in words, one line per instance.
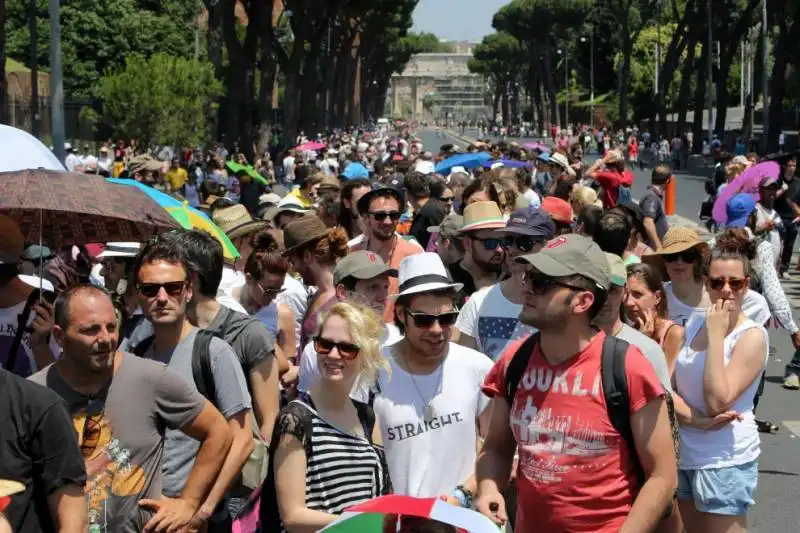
column 341, row 469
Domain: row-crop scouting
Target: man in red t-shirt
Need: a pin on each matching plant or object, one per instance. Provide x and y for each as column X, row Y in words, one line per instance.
column 612, row 176
column 575, row 471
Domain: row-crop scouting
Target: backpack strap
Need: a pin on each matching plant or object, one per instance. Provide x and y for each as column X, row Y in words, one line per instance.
column 615, row 390
column 201, row 365
column 366, row 414
column 140, row 350
column 518, row 365
column 22, row 325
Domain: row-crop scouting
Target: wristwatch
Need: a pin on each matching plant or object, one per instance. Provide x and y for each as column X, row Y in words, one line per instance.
column 463, row 495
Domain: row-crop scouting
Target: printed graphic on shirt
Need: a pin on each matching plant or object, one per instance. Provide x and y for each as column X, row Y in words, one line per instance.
column 495, row 332
column 406, row 431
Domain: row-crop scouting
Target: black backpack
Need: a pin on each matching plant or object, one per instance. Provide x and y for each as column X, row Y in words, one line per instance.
column 615, row 388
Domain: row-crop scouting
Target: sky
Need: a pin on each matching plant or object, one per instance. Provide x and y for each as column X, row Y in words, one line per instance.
column 457, row 20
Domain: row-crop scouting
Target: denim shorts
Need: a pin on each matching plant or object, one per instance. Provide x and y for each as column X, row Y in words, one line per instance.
column 724, row 491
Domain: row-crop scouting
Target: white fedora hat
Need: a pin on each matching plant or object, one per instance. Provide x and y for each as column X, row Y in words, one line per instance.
column 120, row 249
column 424, row 272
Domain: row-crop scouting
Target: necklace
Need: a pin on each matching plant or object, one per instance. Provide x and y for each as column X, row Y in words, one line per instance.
column 429, row 411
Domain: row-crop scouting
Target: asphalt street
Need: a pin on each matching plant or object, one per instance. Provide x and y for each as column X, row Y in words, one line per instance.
column 779, row 464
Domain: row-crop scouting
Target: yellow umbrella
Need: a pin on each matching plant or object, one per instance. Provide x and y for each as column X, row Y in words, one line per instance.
column 191, row 218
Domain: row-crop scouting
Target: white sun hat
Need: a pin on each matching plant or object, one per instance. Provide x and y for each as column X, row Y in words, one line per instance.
column 424, row 272
column 120, row 249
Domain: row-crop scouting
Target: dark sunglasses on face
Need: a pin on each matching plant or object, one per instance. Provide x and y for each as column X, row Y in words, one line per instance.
column 347, row 350
column 269, row 291
column 492, row 243
column 172, row 288
column 540, row 284
column 523, row 242
column 426, row 320
column 448, row 200
column 736, row 284
column 688, row 256
column 380, row 216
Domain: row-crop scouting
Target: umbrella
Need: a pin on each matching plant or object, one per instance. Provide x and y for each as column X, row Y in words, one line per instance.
column 187, row 217
column 372, row 515
column 535, row 146
column 65, row 208
column 21, row 151
column 510, row 163
column 355, row 171
column 248, row 169
column 747, row 182
column 312, row 146
column 468, row 161
column 191, row 218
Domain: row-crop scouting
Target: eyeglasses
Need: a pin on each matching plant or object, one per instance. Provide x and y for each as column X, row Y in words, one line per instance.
column 426, row 320
column 492, row 243
column 269, row 291
column 540, row 284
column 688, row 256
column 523, row 242
column 347, row 350
column 172, row 288
column 448, row 199
column 380, row 216
column 92, row 426
column 736, row 284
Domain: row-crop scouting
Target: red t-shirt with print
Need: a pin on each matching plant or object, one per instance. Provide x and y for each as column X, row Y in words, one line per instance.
column 575, row 472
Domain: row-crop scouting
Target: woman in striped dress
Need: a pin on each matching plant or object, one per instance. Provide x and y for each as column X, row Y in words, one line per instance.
column 325, row 434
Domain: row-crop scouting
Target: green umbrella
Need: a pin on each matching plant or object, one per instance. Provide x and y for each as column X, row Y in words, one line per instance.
column 236, row 168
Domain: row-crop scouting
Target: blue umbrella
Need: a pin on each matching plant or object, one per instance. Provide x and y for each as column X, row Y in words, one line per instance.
column 510, row 163
column 163, row 199
column 467, row 161
column 355, row 171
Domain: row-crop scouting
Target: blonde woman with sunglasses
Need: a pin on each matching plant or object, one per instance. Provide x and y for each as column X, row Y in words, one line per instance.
column 327, row 449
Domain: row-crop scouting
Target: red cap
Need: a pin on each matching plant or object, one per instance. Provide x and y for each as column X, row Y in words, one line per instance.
column 558, row 209
column 95, row 249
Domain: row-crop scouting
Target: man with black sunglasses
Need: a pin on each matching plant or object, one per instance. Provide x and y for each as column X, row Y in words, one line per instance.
column 548, row 402
column 489, row 321
column 484, row 252
column 430, row 405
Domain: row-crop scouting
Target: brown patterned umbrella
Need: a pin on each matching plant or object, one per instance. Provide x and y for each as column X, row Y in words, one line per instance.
column 64, row 208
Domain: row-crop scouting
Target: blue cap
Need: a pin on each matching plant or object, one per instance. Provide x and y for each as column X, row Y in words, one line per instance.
column 738, row 210
column 544, row 157
column 531, row 221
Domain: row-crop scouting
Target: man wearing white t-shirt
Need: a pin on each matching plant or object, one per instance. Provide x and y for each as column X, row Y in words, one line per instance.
column 489, row 321
column 430, row 404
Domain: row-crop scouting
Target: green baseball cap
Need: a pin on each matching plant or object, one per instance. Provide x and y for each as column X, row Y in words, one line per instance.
column 619, row 275
column 449, row 226
column 361, row 265
column 570, row 255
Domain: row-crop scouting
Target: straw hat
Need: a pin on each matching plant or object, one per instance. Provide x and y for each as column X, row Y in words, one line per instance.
column 303, row 231
column 614, row 156
column 236, row 221
column 676, row 240
column 8, row 487
column 482, row 215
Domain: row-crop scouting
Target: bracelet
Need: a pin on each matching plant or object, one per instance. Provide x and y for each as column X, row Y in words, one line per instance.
column 459, row 495
column 469, row 497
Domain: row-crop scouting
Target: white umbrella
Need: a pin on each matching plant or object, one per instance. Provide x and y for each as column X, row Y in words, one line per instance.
column 19, row 150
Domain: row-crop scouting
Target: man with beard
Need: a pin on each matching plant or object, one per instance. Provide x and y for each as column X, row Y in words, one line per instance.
column 576, row 471
column 361, row 277
column 380, row 211
column 483, row 248
column 22, row 350
column 429, row 403
column 121, row 407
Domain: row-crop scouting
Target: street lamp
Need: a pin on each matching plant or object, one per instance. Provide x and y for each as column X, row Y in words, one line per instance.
column 591, row 75
column 566, row 86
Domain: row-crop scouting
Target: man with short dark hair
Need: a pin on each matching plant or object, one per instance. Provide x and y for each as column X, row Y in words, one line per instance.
column 612, row 234
column 576, row 472
column 652, row 206
column 426, row 213
column 121, row 407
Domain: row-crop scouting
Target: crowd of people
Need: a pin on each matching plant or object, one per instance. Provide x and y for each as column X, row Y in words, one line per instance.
column 520, row 338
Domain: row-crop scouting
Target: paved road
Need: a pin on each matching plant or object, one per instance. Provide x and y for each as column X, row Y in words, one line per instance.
column 779, row 464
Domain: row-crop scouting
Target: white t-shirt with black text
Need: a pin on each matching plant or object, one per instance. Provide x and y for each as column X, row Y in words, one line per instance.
column 429, row 458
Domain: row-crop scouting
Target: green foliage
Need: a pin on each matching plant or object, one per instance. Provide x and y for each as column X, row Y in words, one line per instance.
column 422, row 43
column 160, row 99
column 498, row 56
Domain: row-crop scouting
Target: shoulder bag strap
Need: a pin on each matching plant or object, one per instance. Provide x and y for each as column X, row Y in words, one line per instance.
column 22, row 325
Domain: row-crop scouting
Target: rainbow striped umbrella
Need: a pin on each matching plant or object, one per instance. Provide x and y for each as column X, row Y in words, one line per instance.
column 191, row 218
column 374, row 515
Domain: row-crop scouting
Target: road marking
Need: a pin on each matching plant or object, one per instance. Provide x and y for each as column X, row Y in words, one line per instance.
column 794, row 426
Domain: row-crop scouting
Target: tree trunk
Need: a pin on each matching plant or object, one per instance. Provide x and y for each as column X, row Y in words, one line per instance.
column 700, row 102
column 780, row 54
column 682, row 103
column 551, row 84
column 3, row 84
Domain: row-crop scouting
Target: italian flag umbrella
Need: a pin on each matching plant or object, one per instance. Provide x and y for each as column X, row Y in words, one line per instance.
column 380, row 514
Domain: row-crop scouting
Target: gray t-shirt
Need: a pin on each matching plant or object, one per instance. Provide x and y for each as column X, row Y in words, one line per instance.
column 123, row 439
column 651, row 350
column 250, row 339
column 232, row 398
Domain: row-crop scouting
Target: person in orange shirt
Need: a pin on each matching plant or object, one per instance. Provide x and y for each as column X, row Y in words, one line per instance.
column 380, row 209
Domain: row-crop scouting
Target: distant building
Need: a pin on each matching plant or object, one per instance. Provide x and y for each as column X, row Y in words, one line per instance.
column 439, row 86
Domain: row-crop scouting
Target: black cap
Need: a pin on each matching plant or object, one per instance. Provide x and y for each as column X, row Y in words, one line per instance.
column 380, row 190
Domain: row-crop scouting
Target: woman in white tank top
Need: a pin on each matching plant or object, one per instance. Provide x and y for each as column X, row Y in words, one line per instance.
column 715, row 381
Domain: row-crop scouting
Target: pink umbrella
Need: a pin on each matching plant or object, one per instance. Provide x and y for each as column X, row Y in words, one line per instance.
column 747, row 182
column 534, row 146
column 312, row 146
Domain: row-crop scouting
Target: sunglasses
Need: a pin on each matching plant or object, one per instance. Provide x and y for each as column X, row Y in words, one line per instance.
column 736, row 284
column 347, row 350
column 448, row 199
column 689, row 256
column 492, row 243
column 426, row 320
column 172, row 288
column 269, row 291
column 380, row 216
column 524, row 243
column 540, row 284
column 92, row 426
